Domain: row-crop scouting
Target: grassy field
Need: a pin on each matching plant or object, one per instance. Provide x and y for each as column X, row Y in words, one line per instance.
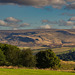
column 62, row 49
column 67, row 68
column 32, row 72
column 56, row 50
column 67, row 65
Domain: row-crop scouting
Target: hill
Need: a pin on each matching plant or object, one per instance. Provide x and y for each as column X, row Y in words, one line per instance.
column 39, row 37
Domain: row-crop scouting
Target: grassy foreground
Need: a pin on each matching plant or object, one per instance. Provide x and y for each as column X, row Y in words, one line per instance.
column 32, row 72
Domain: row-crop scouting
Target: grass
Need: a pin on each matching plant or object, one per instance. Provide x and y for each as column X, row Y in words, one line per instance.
column 32, row 72
column 55, row 50
column 34, row 48
column 67, row 65
column 62, row 50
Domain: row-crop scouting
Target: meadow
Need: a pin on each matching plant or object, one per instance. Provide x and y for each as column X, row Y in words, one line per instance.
column 55, row 50
column 32, row 72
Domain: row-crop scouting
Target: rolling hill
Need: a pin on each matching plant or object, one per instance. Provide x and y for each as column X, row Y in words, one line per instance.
column 39, row 37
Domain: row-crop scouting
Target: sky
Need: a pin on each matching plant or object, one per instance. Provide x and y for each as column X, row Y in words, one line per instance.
column 37, row 14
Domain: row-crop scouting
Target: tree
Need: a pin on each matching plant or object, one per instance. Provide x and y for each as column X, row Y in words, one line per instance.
column 47, row 59
column 11, row 53
column 2, row 58
column 27, row 59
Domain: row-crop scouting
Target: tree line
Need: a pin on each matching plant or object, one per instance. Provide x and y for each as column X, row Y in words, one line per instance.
column 70, row 56
column 12, row 56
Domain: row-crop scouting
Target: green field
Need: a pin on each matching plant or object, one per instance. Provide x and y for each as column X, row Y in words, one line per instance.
column 32, row 72
column 55, row 50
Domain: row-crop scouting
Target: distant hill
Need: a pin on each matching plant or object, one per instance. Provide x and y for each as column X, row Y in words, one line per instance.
column 39, row 37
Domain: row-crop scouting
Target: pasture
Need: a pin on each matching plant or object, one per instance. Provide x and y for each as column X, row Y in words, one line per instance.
column 32, row 72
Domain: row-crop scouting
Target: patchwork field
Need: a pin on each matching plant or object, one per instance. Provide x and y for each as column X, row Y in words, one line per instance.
column 32, row 72
column 55, row 50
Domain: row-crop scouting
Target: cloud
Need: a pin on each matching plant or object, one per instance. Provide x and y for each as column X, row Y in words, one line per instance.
column 45, row 27
column 14, row 28
column 73, row 27
column 70, row 23
column 70, row 6
column 49, row 22
column 12, row 20
column 24, row 24
column 65, row 23
column 36, row 3
column 60, row 22
column 13, row 23
column 70, row 0
column 3, row 23
column 58, row 3
column 68, row 14
column 45, row 21
column 72, row 19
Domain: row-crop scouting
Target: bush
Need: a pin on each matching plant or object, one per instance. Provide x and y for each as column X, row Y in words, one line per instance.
column 27, row 59
column 47, row 59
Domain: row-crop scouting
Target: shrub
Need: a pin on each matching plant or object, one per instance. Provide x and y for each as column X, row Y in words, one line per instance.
column 47, row 59
column 27, row 59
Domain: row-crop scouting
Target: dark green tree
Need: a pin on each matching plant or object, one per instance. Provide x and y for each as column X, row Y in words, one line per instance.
column 47, row 59
column 27, row 59
column 12, row 54
column 2, row 58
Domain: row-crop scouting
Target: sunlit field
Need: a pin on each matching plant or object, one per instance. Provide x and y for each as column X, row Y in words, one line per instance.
column 32, row 72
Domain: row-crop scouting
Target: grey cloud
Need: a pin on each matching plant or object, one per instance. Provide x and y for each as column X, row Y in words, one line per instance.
column 58, row 3
column 72, row 19
column 36, row 3
column 12, row 20
column 70, row 0
column 68, row 14
column 27, row 2
column 65, row 23
column 41, row 3
column 24, row 24
column 70, row 6
column 49, row 22
column 60, row 22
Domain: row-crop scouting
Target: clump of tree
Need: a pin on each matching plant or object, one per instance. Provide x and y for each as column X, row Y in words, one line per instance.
column 12, row 55
column 47, row 59
column 70, row 56
column 27, row 59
